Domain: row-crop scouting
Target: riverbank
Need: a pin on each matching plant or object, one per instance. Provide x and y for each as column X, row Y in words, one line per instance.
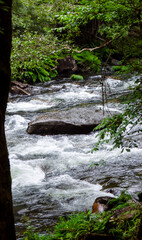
column 121, row 220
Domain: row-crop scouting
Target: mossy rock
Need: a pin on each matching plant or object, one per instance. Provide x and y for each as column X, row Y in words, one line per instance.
column 76, row 77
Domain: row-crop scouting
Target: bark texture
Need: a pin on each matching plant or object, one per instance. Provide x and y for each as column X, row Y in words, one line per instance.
column 7, row 230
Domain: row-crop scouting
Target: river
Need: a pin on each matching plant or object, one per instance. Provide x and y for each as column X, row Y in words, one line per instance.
column 51, row 175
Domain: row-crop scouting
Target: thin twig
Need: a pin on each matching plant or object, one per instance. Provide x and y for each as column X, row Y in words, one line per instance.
column 104, row 94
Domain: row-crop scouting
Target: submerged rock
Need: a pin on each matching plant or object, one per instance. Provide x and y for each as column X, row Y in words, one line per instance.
column 78, row 120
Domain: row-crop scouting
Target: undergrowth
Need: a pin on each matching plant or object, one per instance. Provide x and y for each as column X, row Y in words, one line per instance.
column 33, row 58
column 76, row 226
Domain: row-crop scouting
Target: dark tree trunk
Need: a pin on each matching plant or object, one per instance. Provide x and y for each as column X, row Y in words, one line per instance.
column 7, row 230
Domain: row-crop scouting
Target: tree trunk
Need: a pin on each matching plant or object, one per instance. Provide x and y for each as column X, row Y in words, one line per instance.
column 7, row 230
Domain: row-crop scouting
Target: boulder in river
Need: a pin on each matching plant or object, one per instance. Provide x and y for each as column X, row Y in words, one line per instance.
column 101, row 204
column 103, row 200
column 67, row 65
column 77, row 120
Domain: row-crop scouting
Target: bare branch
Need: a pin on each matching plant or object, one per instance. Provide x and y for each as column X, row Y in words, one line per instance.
column 88, row 49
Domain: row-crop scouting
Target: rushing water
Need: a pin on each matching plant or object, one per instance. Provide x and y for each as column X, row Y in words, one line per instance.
column 51, row 174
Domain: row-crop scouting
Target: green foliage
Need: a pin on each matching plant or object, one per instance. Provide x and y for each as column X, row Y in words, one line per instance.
column 114, row 19
column 122, row 201
column 122, row 69
column 33, row 58
column 129, row 48
column 110, row 131
column 127, row 229
column 100, row 163
column 116, row 16
column 76, row 226
column 30, row 234
column 29, row 16
column 69, row 17
column 76, row 77
column 35, row 50
column 123, row 227
column 67, row 20
column 115, row 128
column 88, row 59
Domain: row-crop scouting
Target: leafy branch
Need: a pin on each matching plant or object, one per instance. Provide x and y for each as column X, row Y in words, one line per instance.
column 118, row 127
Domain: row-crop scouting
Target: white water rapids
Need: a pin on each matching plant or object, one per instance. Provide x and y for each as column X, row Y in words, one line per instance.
column 51, row 174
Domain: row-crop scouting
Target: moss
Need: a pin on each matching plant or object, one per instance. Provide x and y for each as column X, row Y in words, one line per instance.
column 76, row 77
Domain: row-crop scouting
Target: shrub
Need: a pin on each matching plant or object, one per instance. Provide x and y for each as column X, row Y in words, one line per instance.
column 88, row 59
column 33, row 58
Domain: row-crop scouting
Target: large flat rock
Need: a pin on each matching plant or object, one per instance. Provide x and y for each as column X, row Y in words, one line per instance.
column 77, row 120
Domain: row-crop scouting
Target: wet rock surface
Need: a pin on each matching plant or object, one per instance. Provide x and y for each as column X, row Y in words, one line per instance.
column 67, row 65
column 103, row 200
column 18, row 88
column 77, row 120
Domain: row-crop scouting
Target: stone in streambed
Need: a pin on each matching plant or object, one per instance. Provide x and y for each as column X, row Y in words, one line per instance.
column 77, row 120
column 101, row 204
column 67, row 65
column 54, row 127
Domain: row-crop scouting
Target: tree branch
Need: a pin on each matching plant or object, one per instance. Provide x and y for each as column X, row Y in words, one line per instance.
column 89, row 49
